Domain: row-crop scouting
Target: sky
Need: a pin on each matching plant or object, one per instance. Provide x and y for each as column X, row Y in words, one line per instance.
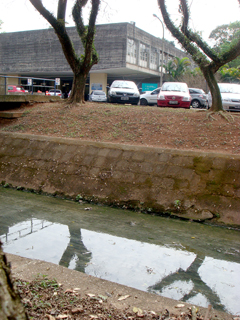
column 20, row 15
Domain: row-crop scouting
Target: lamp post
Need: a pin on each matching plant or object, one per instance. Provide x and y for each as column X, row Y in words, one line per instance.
column 161, row 76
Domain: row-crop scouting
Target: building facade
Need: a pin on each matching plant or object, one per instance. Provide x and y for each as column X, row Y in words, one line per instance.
column 125, row 52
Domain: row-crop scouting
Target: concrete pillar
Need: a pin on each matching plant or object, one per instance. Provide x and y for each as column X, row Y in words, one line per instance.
column 98, row 81
column 2, row 85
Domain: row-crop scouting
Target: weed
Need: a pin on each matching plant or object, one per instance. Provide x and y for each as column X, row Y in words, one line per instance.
column 79, row 197
column 177, row 204
column 17, row 127
column 25, row 113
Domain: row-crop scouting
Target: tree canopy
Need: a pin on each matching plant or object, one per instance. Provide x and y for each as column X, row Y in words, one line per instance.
column 208, row 60
column 224, row 36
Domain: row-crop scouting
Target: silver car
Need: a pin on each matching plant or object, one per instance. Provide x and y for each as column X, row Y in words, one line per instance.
column 98, row 96
column 230, row 93
column 199, row 98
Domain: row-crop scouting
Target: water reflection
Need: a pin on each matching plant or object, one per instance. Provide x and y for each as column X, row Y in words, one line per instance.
column 150, row 254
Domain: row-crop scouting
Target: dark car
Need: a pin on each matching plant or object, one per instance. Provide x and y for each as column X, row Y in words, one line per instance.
column 199, row 98
column 123, row 91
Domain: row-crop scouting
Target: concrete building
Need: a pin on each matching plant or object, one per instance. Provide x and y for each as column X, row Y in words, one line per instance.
column 125, row 52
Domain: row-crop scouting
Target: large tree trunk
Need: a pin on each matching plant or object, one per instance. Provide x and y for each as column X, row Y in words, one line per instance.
column 213, row 87
column 78, row 88
column 10, row 302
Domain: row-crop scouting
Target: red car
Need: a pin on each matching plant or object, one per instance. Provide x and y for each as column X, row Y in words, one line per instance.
column 13, row 88
column 174, row 94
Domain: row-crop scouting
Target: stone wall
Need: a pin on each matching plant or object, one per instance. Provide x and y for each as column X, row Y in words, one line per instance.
column 189, row 184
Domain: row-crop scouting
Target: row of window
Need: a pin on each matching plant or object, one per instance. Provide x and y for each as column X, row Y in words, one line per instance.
column 144, row 54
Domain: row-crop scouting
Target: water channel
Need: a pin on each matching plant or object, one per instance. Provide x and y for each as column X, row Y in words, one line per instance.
column 182, row 260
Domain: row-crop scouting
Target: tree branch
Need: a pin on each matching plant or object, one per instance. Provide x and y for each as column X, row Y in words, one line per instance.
column 193, row 36
column 59, row 27
column 77, row 17
column 62, row 6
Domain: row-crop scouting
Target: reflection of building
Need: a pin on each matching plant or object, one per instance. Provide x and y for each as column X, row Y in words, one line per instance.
column 125, row 52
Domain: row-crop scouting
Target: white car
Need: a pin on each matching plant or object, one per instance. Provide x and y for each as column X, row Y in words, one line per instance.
column 98, row 96
column 123, row 91
column 149, row 97
column 230, row 93
column 54, row 92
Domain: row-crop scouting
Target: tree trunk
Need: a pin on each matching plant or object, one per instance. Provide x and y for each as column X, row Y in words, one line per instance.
column 10, row 302
column 78, row 88
column 214, row 89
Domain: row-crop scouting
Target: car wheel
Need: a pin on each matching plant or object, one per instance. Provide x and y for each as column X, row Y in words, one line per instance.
column 143, row 102
column 195, row 104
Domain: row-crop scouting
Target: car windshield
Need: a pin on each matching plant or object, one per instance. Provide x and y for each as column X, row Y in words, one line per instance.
column 124, row 84
column 19, row 88
column 175, row 86
column 229, row 88
column 99, row 93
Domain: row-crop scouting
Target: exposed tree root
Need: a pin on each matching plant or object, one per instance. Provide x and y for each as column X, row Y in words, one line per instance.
column 224, row 114
column 71, row 104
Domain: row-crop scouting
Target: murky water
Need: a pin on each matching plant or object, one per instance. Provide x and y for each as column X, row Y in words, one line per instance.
column 182, row 260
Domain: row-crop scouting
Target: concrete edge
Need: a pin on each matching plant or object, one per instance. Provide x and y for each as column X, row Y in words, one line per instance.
column 72, row 141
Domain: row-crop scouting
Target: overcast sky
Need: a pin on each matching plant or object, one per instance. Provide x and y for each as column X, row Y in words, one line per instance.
column 19, row 15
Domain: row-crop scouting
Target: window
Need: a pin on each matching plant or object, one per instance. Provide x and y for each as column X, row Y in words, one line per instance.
column 131, row 51
column 154, row 59
column 144, row 54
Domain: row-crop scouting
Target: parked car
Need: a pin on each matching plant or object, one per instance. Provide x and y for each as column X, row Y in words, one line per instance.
column 98, row 96
column 230, row 93
column 16, row 89
column 174, row 94
column 149, row 97
column 52, row 92
column 123, row 91
column 199, row 98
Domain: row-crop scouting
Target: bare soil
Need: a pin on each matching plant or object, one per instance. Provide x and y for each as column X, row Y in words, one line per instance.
column 44, row 298
column 193, row 129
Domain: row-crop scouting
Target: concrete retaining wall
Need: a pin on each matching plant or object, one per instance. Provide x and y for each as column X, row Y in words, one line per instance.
column 189, row 184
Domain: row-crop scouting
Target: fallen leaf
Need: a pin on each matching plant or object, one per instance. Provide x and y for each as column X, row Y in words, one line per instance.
column 50, row 317
column 135, row 310
column 62, row 316
column 90, row 295
column 77, row 310
column 180, row 305
column 123, row 297
column 69, row 291
column 140, row 314
column 104, row 298
column 138, row 311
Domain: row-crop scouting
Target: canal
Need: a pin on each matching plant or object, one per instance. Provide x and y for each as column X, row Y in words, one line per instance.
column 182, row 260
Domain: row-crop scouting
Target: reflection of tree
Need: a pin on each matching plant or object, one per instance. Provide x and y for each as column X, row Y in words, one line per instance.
column 198, row 285
column 75, row 248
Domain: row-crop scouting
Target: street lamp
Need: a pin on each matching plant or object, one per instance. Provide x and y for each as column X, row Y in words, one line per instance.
column 161, row 76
